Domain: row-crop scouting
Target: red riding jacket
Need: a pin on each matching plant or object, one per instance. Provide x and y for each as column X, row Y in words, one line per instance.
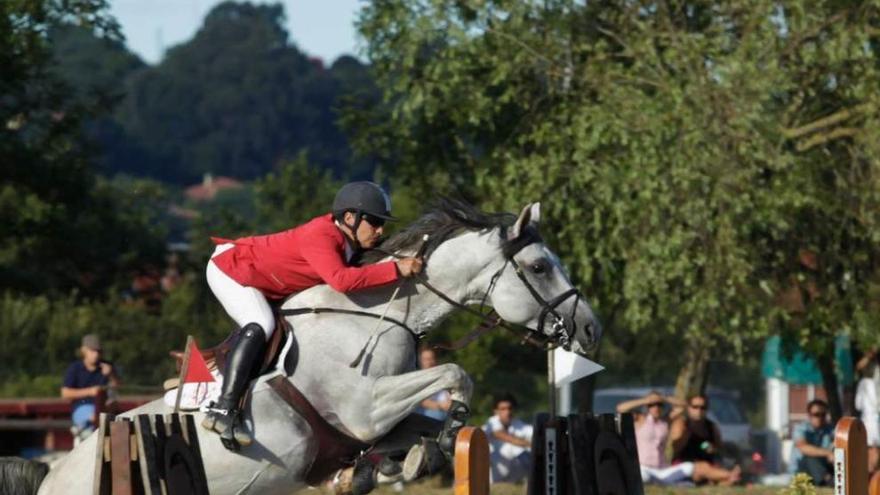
column 296, row 259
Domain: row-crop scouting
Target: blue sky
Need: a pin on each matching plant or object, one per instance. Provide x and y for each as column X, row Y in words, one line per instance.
column 322, row 28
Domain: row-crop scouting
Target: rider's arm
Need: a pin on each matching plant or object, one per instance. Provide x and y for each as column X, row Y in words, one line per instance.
column 325, row 257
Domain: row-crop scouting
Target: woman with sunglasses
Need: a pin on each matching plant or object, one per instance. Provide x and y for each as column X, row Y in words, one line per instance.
column 652, row 434
column 244, row 274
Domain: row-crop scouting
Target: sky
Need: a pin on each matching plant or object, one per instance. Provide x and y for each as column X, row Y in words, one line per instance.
column 322, row 28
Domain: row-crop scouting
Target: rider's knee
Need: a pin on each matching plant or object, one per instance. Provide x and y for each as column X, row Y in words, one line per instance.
column 267, row 323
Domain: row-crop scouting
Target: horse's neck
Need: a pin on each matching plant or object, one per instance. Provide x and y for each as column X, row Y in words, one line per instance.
column 459, row 268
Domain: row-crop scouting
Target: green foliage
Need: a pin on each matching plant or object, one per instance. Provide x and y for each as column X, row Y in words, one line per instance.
column 60, row 226
column 801, row 484
column 294, row 194
column 679, row 149
column 135, row 340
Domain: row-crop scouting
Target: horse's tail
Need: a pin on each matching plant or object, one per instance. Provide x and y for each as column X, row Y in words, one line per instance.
column 20, row 476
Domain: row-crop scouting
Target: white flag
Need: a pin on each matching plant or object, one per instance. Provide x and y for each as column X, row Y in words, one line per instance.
column 569, row 367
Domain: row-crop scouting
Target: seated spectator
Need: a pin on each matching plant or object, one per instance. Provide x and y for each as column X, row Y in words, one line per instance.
column 813, row 439
column 510, row 441
column 652, row 432
column 86, row 381
column 436, row 405
column 695, row 437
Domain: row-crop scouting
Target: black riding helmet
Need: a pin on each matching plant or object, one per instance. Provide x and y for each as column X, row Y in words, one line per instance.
column 363, row 198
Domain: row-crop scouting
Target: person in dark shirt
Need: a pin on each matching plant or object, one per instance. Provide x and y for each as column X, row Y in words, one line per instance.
column 85, row 381
column 813, row 441
column 695, row 437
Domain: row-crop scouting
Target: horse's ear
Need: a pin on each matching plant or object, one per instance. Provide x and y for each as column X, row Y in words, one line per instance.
column 530, row 215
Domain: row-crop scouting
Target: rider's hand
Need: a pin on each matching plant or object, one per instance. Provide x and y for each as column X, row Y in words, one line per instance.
column 96, row 390
column 407, row 267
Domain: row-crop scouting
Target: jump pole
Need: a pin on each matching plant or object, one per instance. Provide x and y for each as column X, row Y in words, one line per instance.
column 850, row 457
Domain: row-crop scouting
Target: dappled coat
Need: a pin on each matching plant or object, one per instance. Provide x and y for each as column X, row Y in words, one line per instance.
column 293, row 260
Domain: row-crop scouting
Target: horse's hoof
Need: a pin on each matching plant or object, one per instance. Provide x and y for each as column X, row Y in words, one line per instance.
column 423, row 459
column 388, row 467
column 414, row 463
column 363, row 480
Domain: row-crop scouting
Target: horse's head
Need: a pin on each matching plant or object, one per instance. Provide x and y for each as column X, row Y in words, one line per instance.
column 531, row 288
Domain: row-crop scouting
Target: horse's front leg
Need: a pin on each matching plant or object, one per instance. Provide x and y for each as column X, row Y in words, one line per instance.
column 395, row 397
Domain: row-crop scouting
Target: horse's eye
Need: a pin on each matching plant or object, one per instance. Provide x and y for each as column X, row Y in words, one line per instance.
column 538, row 268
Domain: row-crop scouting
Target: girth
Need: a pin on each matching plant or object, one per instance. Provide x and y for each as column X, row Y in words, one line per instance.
column 336, row 450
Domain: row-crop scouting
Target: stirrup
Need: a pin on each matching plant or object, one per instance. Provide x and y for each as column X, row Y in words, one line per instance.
column 229, row 424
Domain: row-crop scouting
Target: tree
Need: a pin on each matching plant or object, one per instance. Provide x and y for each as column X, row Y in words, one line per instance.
column 676, row 146
column 238, row 99
column 60, row 226
column 96, row 68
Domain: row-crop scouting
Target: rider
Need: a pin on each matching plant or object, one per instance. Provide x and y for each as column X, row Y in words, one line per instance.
column 244, row 273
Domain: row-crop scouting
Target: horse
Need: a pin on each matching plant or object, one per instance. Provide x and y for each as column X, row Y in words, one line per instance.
column 356, row 363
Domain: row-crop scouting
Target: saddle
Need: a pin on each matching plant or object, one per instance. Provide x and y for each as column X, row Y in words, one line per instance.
column 215, row 357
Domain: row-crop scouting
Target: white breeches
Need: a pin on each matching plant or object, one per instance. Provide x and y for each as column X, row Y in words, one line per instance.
column 668, row 475
column 244, row 304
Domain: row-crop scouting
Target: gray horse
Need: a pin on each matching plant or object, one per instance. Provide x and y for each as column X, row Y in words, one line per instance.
column 472, row 258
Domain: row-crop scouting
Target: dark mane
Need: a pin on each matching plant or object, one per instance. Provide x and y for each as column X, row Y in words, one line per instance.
column 444, row 219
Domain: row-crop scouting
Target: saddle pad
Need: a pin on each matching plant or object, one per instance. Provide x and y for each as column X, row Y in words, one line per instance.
column 196, row 395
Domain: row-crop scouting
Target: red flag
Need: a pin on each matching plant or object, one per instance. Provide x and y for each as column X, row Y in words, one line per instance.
column 197, row 371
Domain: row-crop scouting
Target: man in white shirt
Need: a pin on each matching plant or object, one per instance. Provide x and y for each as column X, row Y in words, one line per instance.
column 510, row 442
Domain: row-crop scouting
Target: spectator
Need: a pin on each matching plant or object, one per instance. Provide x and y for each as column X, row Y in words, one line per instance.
column 652, row 432
column 867, row 396
column 85, row 382
column 695, row 437
column 436, row 405
column 813, row 453
column 510, row 441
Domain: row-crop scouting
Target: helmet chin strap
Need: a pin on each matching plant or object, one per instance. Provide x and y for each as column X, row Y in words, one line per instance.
column 358, row 218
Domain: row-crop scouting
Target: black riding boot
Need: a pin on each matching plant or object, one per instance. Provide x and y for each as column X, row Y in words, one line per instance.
column 224, row 416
